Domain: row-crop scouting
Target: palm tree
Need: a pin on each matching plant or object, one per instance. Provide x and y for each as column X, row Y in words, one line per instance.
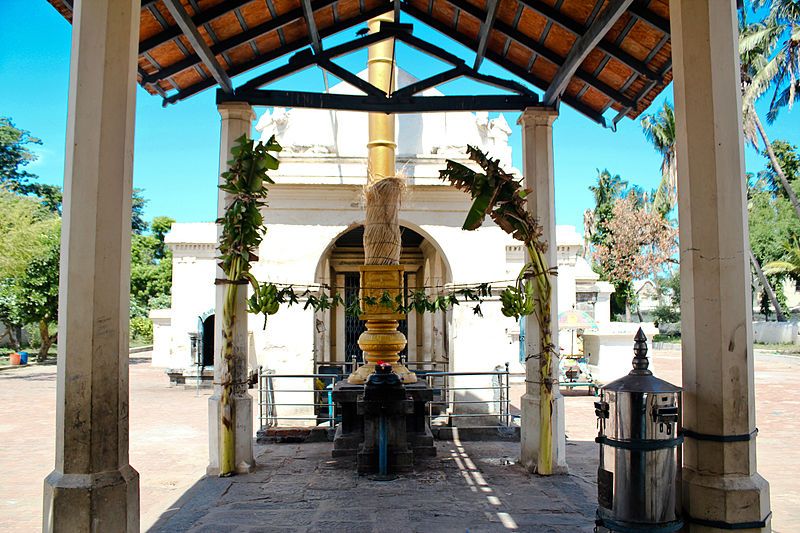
column 760, row 70
column 790, row 265
column 608, row 189
column 659, row 129
column 784, row 67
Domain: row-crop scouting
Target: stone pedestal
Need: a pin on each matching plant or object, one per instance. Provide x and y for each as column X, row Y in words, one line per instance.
column 350, row 432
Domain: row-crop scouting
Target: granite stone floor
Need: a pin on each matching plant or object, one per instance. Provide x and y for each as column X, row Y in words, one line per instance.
column 300, row 488
column 469, row 487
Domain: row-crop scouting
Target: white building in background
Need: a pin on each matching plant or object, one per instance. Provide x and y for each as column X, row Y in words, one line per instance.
column 314, row 233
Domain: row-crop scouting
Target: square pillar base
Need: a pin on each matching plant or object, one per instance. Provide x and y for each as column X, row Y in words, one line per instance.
column 529, row 433
column 105, row 501
column 715, row 502
column 243, row 433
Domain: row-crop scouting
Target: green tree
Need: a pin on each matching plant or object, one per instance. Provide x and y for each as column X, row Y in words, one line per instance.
column 26, row 227
column 781, row 74
column 138, row 201
column 151, row 268
column 160, row 226
column 15, row 155
column 607, row 190
column 37, row 293
column 659, row 130
column 762, row 69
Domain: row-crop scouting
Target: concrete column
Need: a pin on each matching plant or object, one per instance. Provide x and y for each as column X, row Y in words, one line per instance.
column 93, row 487
column 537, row 154
column 721, row 487
column 237, row 120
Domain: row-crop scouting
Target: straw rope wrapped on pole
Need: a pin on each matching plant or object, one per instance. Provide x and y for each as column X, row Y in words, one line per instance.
column 382, row 239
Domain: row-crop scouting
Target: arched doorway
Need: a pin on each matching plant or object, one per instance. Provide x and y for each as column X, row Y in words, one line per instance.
column 336, row 339
column 206, row 323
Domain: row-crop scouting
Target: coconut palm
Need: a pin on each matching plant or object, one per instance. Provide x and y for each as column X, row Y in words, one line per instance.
column 659, row 129
column 784, row 67
column 760, row 71
column 790, row 265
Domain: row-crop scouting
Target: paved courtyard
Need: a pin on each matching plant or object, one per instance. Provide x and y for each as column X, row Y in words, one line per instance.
column 469, row 486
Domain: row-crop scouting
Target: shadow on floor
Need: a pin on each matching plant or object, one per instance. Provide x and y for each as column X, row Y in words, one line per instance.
column 469, row 486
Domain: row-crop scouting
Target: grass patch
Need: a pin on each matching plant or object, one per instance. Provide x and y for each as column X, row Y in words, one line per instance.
column 786, row 349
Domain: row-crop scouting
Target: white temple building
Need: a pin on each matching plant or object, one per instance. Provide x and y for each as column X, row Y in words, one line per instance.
column 314, row 235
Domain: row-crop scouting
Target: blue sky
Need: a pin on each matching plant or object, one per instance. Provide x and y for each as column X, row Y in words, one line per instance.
column 176, row 148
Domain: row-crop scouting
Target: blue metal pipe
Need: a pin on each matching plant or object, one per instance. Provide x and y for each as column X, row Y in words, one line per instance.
column 383, row 444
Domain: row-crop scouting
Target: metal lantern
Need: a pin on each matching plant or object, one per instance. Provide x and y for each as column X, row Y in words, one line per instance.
column 638, row 479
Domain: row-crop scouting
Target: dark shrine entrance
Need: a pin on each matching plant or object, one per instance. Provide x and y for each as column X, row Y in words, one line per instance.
column 348, row 254
column 206, row 356
column 354, row 327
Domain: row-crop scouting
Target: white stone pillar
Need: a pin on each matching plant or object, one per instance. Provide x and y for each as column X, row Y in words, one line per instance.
column 720, row 482
column 93, row 487
column 537, row 154
column 237, row 120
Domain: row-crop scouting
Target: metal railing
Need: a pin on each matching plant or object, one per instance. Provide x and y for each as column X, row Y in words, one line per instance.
column 321, row 406
column 456, row 397
column 450, row 407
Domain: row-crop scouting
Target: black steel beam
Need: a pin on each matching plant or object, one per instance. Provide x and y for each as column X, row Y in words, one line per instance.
column 581, row 48
column 306, row 59
column 191, row 32
column 432, row 81
column 380, row 104
column 347, row 76
column 277, row 53
column 486, row 28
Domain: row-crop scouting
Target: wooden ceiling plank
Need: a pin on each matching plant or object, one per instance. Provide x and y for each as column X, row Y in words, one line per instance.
column 202, row 49
column 514, row 25
column 275, row 54
column 273, row 13
column 644, row 92
column 639, row 10
column 256, row 31
column 539, row 50
column 204, row 17
column 502, row 62
column 582, row 46
column 553, row 15
column 486, row 27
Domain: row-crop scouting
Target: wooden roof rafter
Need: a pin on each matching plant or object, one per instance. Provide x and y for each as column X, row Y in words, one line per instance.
column 581, row 48
column 196, row 40
column 199, row 43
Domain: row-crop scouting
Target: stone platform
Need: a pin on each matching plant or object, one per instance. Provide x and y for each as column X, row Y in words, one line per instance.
column 350, row 432
column 469, row 486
